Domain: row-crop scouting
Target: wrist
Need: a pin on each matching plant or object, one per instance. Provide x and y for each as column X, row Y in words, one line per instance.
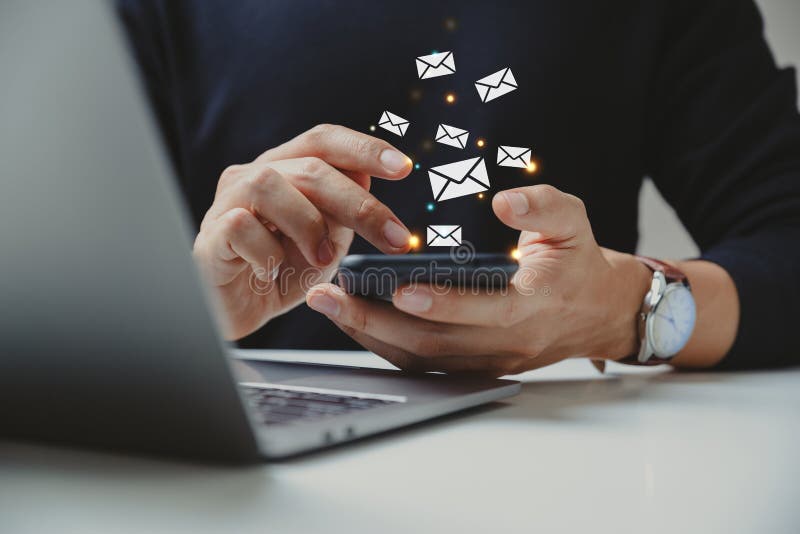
column 629, row 282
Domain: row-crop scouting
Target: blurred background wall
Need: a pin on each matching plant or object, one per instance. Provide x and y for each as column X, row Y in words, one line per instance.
column 662, row 234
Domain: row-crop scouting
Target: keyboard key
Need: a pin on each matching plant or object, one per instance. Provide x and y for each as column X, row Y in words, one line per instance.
column 277, row 406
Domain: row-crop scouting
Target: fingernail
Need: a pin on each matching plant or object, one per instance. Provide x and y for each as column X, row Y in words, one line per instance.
column 325, row 252
column 396, row 235
column 518, row 202
column 393, row 160
column 324, row 304
column 420, row 300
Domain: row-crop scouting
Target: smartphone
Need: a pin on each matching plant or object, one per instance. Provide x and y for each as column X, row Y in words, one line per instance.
column 378, row 275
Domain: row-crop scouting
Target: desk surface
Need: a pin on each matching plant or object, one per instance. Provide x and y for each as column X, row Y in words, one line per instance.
column 633, row 451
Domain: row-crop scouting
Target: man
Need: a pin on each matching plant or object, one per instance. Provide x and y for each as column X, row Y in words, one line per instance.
column 684, row 92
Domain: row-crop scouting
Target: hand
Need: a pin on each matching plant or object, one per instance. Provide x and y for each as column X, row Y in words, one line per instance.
column 292, row 212
column 570, row 298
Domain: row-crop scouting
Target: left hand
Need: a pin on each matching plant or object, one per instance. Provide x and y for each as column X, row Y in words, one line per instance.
column 570, row 298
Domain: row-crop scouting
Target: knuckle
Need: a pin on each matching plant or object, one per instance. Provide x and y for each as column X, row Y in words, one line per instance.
column 313, row 168
column 322, row 129
column 512, row 366
column 577, row 202
column 208, row 219
column 229, row 175
column 316, row 221
column 362, row 147
column 319, row 132
column 531, row 352
column 263, row 180
column 238, row 219
column 200, row 246
column 369, row 209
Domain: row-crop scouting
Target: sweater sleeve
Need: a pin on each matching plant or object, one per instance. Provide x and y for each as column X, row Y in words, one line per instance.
column 723, row 147
column 146, row 25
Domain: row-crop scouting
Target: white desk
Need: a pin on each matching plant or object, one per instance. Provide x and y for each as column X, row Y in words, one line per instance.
column 643, row 451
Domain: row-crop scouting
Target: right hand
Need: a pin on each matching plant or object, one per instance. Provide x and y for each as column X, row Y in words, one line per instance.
column 295, row 206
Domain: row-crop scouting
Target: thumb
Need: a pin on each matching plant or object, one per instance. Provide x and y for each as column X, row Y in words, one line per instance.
column 543, row 210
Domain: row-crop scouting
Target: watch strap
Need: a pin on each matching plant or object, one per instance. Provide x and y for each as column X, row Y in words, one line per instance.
column 672, row 275
column 652, row 360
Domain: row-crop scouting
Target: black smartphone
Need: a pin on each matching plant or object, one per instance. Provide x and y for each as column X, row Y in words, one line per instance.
column 379, row 275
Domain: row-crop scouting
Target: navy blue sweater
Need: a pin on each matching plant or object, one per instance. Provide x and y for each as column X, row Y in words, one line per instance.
column 685, row 92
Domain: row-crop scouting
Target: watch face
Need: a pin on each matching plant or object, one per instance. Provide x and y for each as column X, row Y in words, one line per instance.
column 671, row 323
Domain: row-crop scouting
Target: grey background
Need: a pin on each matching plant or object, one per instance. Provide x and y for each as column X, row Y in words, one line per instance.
column 661, row 233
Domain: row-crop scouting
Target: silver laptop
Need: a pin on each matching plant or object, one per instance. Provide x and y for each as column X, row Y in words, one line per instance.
column 106, row 335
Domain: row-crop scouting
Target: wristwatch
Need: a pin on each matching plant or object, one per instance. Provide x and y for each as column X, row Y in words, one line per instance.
column 667, row 317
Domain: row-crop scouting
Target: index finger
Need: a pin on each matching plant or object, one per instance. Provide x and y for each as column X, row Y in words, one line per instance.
column 344, row 149
column 346, row 202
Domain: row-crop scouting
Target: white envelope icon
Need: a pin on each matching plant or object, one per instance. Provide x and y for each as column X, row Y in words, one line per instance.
column 458, row 179
column 495, row 85
column 444, row 235
column 514, row 156
column 439, row 64
column 391, row 122
column 452, row 136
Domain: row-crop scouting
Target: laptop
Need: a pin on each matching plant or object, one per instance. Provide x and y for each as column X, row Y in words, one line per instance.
column 107, row 335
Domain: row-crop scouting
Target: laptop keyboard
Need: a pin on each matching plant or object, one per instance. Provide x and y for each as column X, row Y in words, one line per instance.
column 279, row 406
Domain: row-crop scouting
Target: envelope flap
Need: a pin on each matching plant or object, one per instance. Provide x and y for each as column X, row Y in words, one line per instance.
column 434, row 60
column 457, row 172
column 508, row 78
column 493, row 80
column 514, row 152
column 394, row 119
column 444, row 230
column 452, row 131
column 498, row 78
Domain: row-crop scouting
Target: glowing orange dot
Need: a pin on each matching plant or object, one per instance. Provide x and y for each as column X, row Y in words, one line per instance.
column 516, row 254
column 413, row 241
column 450, row 98
column 532, row 167
column 480, row 195
column 480, row 143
